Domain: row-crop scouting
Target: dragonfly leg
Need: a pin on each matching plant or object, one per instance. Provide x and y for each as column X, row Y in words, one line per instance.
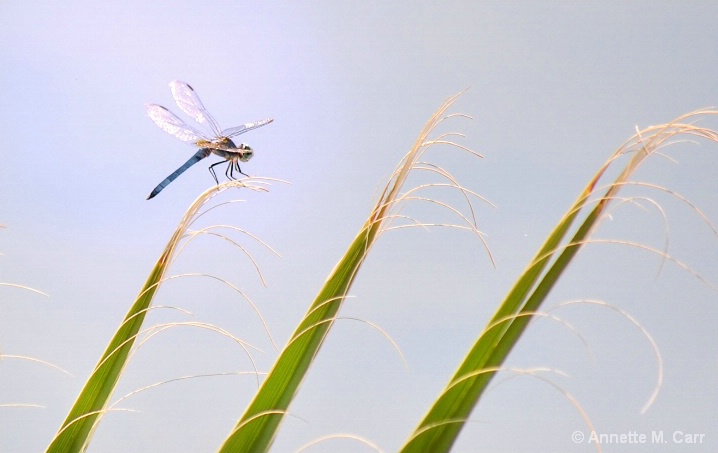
column 214, row 175
column 236, row 167
column 231, row 168
column 240, row 170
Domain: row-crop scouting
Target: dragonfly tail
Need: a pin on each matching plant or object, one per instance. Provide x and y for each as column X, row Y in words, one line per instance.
column 199, row 155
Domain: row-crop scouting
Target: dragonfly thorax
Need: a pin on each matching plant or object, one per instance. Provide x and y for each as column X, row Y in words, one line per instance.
column 226, row 148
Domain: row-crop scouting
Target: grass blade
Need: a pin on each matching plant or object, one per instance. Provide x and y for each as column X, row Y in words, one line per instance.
column 440, row 428
column 257, row 428
column 77, row 429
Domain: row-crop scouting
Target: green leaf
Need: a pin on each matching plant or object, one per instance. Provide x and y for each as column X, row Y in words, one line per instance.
column 440, row 428
column 77, row 429
column 258, row 426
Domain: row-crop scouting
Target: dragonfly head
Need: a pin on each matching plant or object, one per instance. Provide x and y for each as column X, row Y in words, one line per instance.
column 247, row 152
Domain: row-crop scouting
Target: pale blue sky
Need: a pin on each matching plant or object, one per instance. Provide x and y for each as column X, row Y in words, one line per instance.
column 555, row 88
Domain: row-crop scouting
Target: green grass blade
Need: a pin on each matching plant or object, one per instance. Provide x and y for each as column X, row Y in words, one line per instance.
column 258, row 426
column 440, row 428
column 77, row 427
column 90, row 405
column 256, row 430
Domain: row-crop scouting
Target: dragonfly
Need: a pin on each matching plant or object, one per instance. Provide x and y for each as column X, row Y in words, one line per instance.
column 219, row 143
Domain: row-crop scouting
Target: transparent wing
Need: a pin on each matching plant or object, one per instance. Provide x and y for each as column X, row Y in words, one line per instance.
column 238, row 130
column 188, row 101
column 168, row 122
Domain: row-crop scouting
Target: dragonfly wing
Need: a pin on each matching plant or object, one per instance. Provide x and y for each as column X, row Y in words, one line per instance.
column 238, row 130
column 188, row 100
column 199, row 155
column 170, row 123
